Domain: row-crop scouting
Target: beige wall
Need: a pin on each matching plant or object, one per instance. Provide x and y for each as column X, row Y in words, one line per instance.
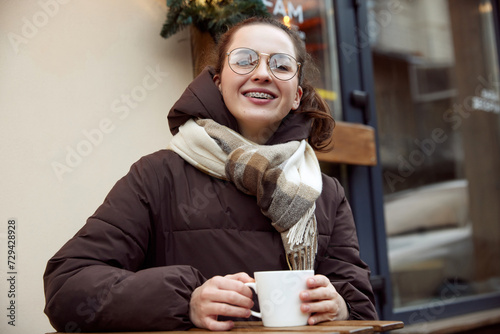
column 85, row 87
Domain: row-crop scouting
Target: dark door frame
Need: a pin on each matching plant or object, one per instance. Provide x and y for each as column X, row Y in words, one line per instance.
column 364, row 183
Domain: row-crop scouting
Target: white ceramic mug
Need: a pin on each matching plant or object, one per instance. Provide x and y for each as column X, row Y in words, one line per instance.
column 278, row 294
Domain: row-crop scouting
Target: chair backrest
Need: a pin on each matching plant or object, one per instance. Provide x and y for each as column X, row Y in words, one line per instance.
column 352, row 144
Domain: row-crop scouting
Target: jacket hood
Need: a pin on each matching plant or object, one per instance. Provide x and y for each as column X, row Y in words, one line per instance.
column 202, row 99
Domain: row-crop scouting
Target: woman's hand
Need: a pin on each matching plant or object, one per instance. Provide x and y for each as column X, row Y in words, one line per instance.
column 227, row 296
column 322, row 301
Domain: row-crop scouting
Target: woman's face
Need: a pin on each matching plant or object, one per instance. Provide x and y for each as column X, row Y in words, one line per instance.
column 259, row 117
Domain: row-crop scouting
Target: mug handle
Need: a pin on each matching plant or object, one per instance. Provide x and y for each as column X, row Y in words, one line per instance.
column 253, row 286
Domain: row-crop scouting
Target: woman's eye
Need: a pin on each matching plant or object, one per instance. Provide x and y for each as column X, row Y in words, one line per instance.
column 243, row 62
column 280, row 66
column 247, row 61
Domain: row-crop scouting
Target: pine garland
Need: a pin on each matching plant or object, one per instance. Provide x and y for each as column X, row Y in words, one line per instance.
column 212, row 16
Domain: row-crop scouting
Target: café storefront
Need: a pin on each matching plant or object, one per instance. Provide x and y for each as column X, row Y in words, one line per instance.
column 424, row 75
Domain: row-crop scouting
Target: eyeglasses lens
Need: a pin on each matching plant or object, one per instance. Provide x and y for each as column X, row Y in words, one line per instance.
column 283, row 66
column 243, row 61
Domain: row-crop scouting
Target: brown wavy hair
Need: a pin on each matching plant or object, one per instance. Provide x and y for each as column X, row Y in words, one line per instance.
column 311, row 104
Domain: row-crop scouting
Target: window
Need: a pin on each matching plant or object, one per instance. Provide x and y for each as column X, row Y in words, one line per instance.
column 436, row 83
column 314, row 21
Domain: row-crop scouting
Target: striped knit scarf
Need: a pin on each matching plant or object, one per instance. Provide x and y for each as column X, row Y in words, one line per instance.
column 285, row 178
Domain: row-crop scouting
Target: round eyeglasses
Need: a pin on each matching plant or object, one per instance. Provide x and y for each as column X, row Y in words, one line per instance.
column 281, row 65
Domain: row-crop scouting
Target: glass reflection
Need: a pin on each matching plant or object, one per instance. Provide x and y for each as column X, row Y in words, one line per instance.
column 437, row 99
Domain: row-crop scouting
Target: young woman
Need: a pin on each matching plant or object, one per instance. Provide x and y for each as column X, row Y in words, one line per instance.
column 239, row 190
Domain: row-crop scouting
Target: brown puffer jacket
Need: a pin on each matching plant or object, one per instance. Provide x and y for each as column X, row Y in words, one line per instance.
column 166, row 227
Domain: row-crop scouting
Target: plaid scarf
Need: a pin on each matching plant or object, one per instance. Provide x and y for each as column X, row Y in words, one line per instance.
column 285, row 178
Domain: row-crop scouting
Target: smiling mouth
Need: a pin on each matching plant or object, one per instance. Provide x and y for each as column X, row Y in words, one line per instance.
column 259, row 95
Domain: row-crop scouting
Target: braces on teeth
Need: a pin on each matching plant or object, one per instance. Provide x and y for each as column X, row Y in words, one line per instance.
column 259, row 95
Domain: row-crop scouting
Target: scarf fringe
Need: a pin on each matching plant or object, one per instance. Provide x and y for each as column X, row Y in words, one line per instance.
column 302, row 229
column 301, row 260
column 302, row 242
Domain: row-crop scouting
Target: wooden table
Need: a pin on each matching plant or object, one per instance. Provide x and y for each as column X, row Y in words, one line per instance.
column 337, row 327
column 330, row 327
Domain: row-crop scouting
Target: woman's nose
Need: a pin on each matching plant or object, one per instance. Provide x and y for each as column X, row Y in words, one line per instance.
column 261, row 72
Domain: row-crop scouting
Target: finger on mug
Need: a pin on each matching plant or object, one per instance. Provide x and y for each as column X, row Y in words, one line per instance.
column 215, row 290
column 236, row 285
column 316, row 294
column 233, row 298
column 222, row 309
column 214, row 325
column 318, row 281
column 242, row 277
column 324, row 306
column 322, row 317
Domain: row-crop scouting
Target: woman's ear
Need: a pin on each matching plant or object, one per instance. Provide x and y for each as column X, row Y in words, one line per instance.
column 298, row 97
column 216, row 80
